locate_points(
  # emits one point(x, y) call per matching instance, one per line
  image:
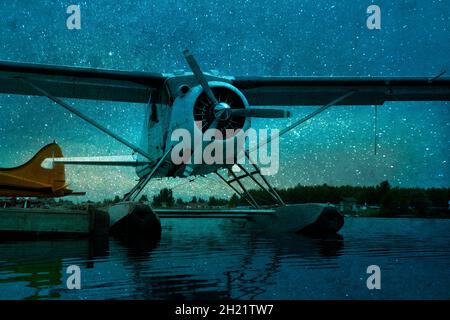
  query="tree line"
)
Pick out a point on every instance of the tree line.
point(390, 200)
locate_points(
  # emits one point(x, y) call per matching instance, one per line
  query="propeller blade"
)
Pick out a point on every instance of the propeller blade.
point(199, 76)
point(213, 124)
point(261, 113)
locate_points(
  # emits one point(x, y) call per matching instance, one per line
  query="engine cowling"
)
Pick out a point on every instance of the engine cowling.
point(195, 113)
point(228, 97)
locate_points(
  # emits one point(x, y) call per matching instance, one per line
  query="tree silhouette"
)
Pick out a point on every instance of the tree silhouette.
point(165, 197)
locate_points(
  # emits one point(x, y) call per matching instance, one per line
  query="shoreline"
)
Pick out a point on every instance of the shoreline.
point(405, 216)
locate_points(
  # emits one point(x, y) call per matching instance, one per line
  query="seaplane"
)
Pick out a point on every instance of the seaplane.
point(221, 103)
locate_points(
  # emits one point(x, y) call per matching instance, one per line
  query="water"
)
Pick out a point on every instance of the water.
point(201, 259)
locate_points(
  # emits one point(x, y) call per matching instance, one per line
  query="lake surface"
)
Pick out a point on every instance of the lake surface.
point(201, 259)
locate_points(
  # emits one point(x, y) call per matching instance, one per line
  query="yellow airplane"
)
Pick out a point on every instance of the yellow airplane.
point(32, 180)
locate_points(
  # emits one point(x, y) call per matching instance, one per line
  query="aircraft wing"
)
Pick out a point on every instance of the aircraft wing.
point(294, 91)
point(82, 83)
point(100, 84)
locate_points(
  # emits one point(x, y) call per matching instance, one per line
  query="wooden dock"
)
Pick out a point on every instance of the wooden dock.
point(33, 221)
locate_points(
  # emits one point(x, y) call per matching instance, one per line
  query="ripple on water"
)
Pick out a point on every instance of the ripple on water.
point(203, 259)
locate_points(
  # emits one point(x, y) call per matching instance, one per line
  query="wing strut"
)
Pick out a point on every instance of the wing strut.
point(86, 118)
point(134, 193)
point(244, 192)
point(303, 120)
point(271, 191)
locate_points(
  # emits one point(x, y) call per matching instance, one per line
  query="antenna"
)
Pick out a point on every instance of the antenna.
point(375, 130)
point(438, 76)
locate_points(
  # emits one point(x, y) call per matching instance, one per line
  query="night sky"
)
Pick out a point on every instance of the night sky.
point(255, 37)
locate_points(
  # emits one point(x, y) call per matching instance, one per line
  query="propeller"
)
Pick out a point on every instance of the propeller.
point(199, 76)
point(221, 110)
point(261, 113)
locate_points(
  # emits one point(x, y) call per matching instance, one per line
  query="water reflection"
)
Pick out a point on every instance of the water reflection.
point(210, 260)
point(231, 266)
point(249, 281)
point(136, 248)
point(39, 264)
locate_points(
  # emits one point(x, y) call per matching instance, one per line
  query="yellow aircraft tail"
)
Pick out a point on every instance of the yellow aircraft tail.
point(31, 179)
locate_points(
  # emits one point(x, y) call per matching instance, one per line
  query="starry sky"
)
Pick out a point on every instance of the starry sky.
point(242, 37)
